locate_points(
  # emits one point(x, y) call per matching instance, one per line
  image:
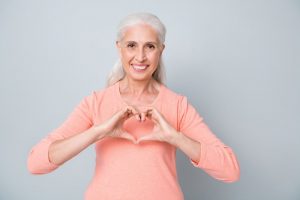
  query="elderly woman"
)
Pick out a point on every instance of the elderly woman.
point(136, 124)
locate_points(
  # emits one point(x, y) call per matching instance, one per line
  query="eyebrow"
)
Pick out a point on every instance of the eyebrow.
point(149, 42)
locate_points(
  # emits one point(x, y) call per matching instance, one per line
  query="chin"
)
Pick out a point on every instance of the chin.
point(139, 77)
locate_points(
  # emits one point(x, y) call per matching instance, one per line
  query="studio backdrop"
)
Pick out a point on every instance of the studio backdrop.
point(238, 62)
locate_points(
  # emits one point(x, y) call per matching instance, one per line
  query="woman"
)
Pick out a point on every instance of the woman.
point(136, 124)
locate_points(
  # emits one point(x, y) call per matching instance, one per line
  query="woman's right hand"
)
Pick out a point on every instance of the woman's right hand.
point(62, 150)
point(113, 126)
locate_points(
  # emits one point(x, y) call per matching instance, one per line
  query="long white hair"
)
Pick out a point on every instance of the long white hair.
point(117, 72)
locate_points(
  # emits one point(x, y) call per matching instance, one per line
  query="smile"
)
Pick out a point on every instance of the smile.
point(139, 68)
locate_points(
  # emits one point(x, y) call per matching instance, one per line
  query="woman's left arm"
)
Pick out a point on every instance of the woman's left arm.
point(200, 144)
point(187, 145)
point(223, 165)
point(196, 140)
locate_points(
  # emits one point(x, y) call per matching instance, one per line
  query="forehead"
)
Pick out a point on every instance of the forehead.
point(140, 33)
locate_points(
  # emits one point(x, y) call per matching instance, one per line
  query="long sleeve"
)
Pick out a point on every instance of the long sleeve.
point(79, 120)
point(216, 159)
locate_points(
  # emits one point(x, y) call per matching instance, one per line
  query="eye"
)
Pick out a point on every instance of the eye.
point(131, 45)
point(150, 46)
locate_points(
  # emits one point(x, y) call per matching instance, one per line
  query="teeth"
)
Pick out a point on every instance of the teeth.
point(139, 67)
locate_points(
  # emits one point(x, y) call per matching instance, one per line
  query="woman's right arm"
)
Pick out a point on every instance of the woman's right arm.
point(63, 150)
point(74, 135)
point(78, 126)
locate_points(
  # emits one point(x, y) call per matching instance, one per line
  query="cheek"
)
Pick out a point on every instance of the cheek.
point(126, 56)
point(154, 57)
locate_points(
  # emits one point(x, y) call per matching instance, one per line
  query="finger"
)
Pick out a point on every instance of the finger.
point(150, 137)
point(138, 116)
point(129, 111)
point(133, 112)
point(128, 136)
point(123, 112)
point(143, 116)
point(150, 114)
point(133, 109)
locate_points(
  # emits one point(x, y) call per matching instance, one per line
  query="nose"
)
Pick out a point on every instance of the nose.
point(140, 55)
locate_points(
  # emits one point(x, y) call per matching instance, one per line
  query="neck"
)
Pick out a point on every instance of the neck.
point(137, 87)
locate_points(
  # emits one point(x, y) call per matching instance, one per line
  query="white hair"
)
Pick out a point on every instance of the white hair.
point(117, 72)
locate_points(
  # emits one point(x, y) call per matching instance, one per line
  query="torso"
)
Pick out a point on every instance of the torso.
point(128, 171)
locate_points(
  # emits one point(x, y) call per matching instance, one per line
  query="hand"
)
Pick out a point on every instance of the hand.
point(162, 130)
point(113, 126)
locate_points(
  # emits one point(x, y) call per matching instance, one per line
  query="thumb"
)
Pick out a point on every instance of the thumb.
point(147, 138)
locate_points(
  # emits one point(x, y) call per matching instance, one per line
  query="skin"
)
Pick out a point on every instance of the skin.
point(139, 46)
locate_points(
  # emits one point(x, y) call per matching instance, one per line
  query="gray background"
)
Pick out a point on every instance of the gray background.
point(237, 61)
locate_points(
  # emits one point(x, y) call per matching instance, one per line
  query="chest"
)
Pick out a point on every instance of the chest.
point(139, 101)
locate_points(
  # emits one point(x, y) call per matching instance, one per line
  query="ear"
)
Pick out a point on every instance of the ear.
point(118, 46)
point(162, 49)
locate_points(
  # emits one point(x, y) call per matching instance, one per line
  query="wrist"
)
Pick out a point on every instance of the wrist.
point(99, 132)
point(175, 139)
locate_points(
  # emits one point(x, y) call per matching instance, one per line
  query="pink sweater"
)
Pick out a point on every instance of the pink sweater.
point(127, 171)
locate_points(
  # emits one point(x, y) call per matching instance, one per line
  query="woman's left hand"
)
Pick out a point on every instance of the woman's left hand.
point(162, 130)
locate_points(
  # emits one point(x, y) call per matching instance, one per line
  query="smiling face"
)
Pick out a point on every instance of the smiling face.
point(140, 52)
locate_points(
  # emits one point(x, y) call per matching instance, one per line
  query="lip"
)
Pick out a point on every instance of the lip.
point(139, 65)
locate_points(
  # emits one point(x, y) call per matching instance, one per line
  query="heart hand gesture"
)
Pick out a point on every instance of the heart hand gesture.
point(162, 130)
point(113, 126)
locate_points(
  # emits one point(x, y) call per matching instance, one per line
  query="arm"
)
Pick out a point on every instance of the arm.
point(76, 133)
point(187, 145)
point(202, 146)
point(63, 150)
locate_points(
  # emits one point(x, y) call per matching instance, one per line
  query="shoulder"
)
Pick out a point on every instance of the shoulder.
point(178, 101)
point(172, 95)
point(97, 95)
point(101, 92)
point(174, 106)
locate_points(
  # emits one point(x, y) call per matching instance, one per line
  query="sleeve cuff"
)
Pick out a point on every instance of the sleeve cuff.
point(38, 162)
point(47, 160)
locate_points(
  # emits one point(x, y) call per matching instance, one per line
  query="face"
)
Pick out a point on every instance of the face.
point(140, 51)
